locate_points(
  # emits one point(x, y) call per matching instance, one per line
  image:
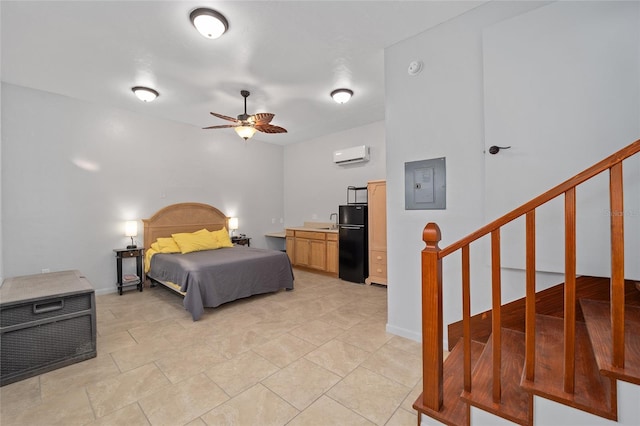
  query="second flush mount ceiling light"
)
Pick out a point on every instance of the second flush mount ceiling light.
point(210, 23)
point(342, 96)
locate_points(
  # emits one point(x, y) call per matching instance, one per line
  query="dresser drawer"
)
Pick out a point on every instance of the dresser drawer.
point(378, 270)
point(378, 257)
point(311, 235)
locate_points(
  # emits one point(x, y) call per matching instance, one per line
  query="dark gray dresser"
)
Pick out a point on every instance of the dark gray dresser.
point(47, 321)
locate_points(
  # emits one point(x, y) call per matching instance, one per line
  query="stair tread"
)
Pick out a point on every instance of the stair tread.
point(454, 410)
point(516, 404)
point(593, 393)
point(598, 319)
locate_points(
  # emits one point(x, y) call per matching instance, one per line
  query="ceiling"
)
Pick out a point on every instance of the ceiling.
point(289, 54)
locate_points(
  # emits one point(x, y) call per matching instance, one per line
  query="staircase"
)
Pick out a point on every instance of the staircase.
point(569, 344)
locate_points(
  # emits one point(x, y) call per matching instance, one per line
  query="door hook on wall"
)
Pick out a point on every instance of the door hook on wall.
point(495, 149)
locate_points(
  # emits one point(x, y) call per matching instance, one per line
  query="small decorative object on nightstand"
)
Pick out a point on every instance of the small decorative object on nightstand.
point(241, 240)
point(129, 279)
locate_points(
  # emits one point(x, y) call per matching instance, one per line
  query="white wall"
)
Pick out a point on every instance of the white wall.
point(74, 172)
point(314, 186)
point(438, 113)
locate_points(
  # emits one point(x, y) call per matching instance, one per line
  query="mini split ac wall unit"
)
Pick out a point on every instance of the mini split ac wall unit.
point(357, 154)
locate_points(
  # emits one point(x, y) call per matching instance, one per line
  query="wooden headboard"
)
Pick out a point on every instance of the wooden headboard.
point(182, 217)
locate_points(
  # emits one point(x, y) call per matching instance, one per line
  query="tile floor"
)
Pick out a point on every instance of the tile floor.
point(318, 355)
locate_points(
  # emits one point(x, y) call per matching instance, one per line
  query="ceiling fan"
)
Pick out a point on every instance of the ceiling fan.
point(246, 125)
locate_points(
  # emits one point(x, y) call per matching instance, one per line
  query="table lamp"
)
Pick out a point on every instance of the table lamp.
point(131, 230)
point(233, 224)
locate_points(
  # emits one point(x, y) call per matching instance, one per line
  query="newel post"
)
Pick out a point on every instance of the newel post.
point(432, 346)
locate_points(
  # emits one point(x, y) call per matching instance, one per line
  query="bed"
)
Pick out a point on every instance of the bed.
point(209, 278)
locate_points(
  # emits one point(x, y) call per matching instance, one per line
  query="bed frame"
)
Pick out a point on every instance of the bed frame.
point(181, 217)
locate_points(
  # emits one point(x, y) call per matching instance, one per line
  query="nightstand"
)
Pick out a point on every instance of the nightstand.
point(241, 241)
point(130, 280)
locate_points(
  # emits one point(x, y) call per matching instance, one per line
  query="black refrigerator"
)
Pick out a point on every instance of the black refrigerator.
point(353, 243)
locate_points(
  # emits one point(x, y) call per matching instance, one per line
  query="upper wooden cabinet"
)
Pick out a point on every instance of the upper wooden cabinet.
point(377, 195)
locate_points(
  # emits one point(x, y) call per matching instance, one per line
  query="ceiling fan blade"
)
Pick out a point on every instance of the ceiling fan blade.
point(222, 126)
point(270, 128)
point(224, 117)
point(263, 117)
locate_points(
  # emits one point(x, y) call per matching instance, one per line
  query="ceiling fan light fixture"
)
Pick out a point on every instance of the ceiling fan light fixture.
point(145, 94)
point(245, 132)
point(210, 23)
point(342, 96)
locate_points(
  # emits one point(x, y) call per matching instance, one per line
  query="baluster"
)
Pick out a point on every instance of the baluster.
point(530, 301)
point(466, 316)
point(432, 345)
point(617, 264)
point(569, 289)
point(496, 301)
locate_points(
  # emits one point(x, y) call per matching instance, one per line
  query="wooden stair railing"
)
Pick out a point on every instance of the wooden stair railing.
point(431, 398)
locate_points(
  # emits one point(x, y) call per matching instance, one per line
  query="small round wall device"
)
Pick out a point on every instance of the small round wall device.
point(415, 67)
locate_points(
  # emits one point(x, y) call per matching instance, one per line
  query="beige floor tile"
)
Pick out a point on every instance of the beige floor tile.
point(69, 408)
point(338, 357)
point(407, 345)
point(241, 372)
point(344, 317)
point(131, 415)
point(301, 383)
point(77, 375)
point(143, 353)
point(114, 341)
point(369, 394)
point(325, 411)
point(155, 330)
point(182, 402)
point(285, 349)
point(196, 422)
point(188, 361)
point(112, 394)
point(369, 336)
point(395, 364)
point(407, 404)
point(236, 344)
point(18, 396)
point(316, 332)
point(255, 406)
point(403, 418)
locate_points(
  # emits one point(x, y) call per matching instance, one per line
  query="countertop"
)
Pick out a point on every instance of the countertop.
point(327, 227)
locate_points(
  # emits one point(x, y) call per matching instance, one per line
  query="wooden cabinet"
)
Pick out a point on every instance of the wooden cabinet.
point(313, 249)
point(332, 253)
point(377, 198)
point(290, 245)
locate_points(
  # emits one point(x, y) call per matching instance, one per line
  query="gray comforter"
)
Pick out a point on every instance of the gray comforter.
point(213, 277)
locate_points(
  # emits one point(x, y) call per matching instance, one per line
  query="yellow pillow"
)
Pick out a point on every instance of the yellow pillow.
point(156, 247)
point(222, 237)
point(167, 245)
point(196, 241)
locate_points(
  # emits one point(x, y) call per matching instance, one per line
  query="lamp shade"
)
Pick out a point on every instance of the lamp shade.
point(131, 228)
point(233, 223)
point(245, 132)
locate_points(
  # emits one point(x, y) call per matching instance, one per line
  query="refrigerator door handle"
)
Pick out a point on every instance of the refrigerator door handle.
point(350, 227)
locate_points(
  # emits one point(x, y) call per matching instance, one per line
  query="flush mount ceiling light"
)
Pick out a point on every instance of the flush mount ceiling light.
point(341, 96)
point(209, 23)
point(145, 94)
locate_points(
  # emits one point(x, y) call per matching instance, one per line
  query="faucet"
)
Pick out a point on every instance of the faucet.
point(335, 226)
